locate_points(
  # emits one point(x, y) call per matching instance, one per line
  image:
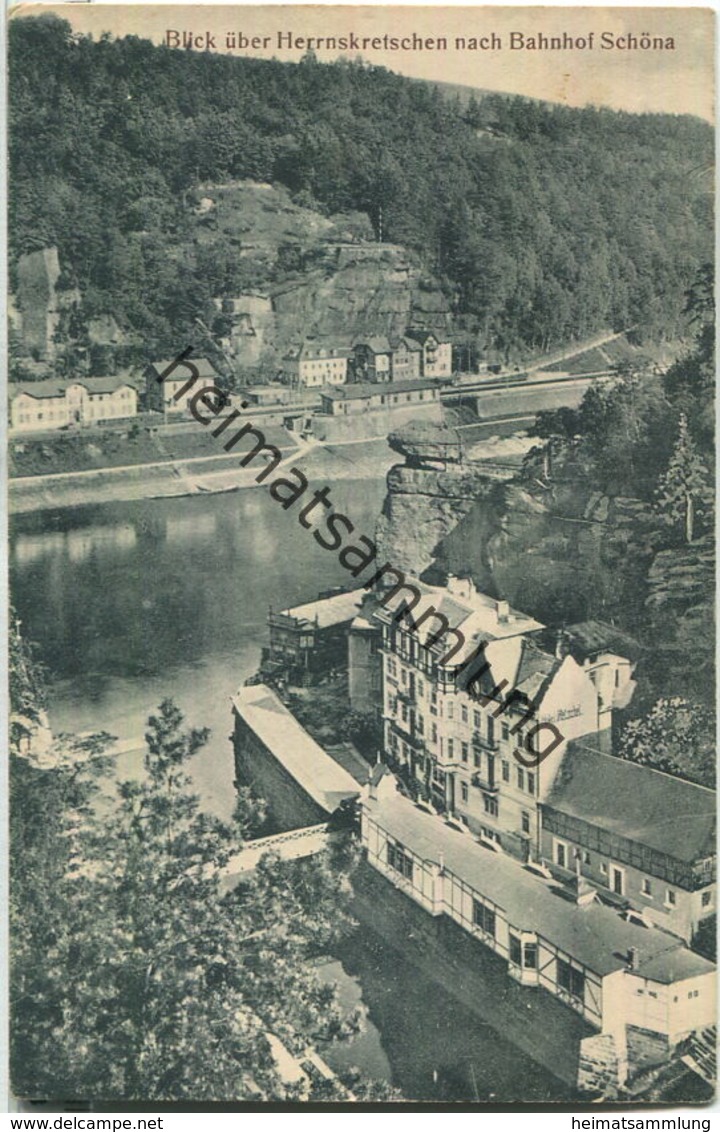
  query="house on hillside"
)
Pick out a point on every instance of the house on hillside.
point(406, 359)
point(372, 360)
point(170, 394)
point(436, 356)
point(316, 363)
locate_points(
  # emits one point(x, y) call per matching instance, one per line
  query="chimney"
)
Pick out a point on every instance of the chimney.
point(461, 587)
point(633, 958)
point(503, 612)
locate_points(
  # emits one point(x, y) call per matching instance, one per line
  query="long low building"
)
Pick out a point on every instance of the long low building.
point(283, 763)
point(368, 396)
point(614, 973)
point(35, 406)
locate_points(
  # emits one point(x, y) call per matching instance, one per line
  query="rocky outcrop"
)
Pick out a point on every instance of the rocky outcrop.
point(426, 445)
point(421, 508)
point(317, 276)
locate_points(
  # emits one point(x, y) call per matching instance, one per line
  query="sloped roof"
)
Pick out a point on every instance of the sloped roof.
point(375, 389)
point(322, 779)
point(588, 638)
point(204, 367)
point(636, 802)
point(52, 387)
point(328, 611)
point(594, 935)
point(475, 616)
point(378, 345)
point(422, 336)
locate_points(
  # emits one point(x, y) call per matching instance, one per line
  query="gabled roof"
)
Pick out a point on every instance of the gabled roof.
point(410, 344)
point(377, 345)
point(475, 616)
point(422, 336)
point(52, 387)
point(204, 367)
point(636, 802)
point(329, 611)
point(322, 779)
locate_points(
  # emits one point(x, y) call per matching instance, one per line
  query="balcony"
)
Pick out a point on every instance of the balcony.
point(483, 744)
point(488, 786)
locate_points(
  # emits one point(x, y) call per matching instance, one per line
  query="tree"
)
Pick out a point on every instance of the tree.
point(684, 484)
point(676, 736)
point(135, 976)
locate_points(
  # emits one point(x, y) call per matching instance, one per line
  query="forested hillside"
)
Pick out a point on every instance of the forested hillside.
point(542, 223)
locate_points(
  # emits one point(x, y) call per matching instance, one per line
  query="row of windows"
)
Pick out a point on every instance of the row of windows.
point(525, 779)
point(616, 876)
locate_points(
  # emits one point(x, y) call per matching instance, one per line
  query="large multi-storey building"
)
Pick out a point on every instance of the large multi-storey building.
point(483, 743)
point(315, 364)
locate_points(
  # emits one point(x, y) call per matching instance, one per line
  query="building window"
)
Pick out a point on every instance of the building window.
point(464, 792)
point(617, 880)
point(465, 752)
point(705, 899)
point(670, 898)
point(561, 854)
point(464, 714)
point(586, 858)
point(450, 748)
point(520, 777)
point(484, 917)
point(505, 729)
point(433, 732)
point(530, 956)
point(515, 951)
point(420, 689)
point(399, 860)
point(476, 720)
point(450, 710)
point(525, 818)
point(491, 805)
point(570, 979)
point(646, 887)
point(506, 772)
point(490, 729)
point(531, 783)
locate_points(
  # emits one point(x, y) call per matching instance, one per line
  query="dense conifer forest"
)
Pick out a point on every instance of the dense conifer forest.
point(543, 223)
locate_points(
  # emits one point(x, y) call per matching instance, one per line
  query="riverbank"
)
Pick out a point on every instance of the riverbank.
point(204, 475)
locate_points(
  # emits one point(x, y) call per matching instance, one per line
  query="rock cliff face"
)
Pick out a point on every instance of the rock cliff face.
point(421, 508)
point(316, 276)
point(566, 556)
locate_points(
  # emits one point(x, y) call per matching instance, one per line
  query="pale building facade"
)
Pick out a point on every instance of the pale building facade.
point(40, 405)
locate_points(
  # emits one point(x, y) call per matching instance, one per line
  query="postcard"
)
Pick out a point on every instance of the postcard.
point(360, 446)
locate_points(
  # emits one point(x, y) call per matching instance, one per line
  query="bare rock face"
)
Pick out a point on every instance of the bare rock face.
point(424, 444)
point(319, 277)
point(421, 508)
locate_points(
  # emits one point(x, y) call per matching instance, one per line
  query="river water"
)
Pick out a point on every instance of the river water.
point(132, 602)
